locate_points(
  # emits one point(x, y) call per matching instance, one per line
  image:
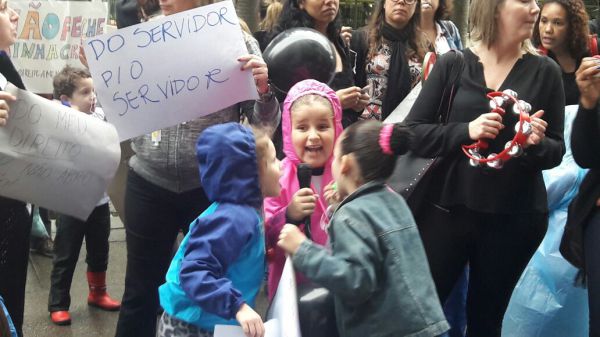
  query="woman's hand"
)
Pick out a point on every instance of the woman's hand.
point(5, 97)
point(588, 81)
point(260, 72)
point(290, 238)
point(303, 204)
point(346, 35)
point(331, 194)
point(487, 126)
point(250, 321)
point(538, 126)
point(352, 98)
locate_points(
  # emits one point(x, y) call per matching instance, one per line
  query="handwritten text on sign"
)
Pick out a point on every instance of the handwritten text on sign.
point(54, 156)
point(164, 72)
point(49, 34)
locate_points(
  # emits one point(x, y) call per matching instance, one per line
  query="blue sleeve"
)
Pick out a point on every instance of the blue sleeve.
point(214, 244)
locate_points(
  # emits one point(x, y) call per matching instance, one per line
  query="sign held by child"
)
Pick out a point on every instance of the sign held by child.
point(54, 156)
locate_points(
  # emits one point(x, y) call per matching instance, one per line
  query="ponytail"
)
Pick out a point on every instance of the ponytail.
point(376, 147)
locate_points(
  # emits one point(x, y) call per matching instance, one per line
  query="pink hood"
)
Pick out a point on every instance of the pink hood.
point(275, 208)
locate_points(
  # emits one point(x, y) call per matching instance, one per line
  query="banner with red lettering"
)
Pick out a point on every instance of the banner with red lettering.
point(49, 34)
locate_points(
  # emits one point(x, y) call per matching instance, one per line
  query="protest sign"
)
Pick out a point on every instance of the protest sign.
point(49, 34)
point(54, 156)
point(284, 307)
point(170, 70)
point(271, 330)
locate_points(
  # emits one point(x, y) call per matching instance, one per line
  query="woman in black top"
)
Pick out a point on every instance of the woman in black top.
point(15, 220)
point(584, 211)
point(562, 33)
point(493, 219)
point(390, 54)
point(323, 16)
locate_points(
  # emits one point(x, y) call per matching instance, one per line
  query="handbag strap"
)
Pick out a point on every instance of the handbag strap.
point(454, 75)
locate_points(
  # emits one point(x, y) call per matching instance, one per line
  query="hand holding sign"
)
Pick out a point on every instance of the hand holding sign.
point(5, 97)
point(260, 72)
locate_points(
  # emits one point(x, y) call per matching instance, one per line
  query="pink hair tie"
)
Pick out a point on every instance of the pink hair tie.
point(385, 135)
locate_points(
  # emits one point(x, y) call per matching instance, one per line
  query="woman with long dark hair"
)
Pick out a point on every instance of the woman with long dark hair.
point(440, 33)
point(390, 52)
point(562, 33)
point(323, 16)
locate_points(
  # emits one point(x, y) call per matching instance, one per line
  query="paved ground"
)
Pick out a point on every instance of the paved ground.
point(86, 321)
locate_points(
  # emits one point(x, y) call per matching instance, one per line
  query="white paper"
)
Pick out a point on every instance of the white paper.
point(49, 34)
point(271, 330)
point(399, 114)
point(54, 156)
point(284, 308)
point(170, 70)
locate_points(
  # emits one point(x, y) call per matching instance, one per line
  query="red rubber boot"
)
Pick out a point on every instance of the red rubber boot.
point(60, 317)
point(98, 296)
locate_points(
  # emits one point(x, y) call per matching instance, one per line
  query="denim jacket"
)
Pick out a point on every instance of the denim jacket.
point(377, 268)
point(451, 33)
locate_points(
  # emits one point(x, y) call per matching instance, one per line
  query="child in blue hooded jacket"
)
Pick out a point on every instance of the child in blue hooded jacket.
point(219, 267)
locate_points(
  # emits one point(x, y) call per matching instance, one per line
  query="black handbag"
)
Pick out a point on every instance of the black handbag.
point(410, 177)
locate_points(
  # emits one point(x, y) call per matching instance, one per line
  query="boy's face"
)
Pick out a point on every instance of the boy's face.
point(84, 97)
point(313, 133)
point(269, 170)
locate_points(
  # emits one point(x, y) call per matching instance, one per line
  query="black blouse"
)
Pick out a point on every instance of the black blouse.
point(517, 187)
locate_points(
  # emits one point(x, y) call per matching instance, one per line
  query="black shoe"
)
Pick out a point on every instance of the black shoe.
point(44, 247)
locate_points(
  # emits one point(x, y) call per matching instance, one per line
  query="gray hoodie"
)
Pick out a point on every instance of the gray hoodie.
point(171, 162)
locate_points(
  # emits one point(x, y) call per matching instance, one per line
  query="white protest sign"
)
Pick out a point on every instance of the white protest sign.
point(284, 307)
point(171, 70)
point(271, 330)
point(54, 156)
point(49, 34)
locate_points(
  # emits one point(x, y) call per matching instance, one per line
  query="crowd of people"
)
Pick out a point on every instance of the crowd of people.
point(445, 266)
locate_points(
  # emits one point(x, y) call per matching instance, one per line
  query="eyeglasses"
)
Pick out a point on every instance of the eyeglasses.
point(408, 2)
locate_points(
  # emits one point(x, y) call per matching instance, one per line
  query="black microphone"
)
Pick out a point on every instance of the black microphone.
point(304, 172)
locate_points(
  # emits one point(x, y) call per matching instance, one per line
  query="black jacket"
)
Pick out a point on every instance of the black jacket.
point(585, 145)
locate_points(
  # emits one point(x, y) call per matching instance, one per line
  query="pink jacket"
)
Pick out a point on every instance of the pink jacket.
point(275, 208)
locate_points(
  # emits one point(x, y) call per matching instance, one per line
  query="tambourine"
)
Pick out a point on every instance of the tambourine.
point(500, 102)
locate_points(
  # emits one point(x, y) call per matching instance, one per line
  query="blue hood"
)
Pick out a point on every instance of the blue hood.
point(228, 170)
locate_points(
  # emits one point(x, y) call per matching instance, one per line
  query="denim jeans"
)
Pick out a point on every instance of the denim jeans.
point(67, 244)
point(592, 266)
point(153, 218)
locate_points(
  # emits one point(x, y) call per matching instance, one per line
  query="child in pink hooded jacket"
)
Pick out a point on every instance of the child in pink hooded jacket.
point(311, 122)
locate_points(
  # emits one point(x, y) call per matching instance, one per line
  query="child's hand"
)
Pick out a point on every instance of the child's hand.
point(331, 194)
point(303, 204)
point(290, 238)
point(250, 321)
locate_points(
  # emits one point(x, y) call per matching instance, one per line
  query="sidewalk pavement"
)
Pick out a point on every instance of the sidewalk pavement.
point(86, 321)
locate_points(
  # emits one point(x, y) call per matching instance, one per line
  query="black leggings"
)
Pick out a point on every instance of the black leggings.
point(15, 227)
point(497, 248)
